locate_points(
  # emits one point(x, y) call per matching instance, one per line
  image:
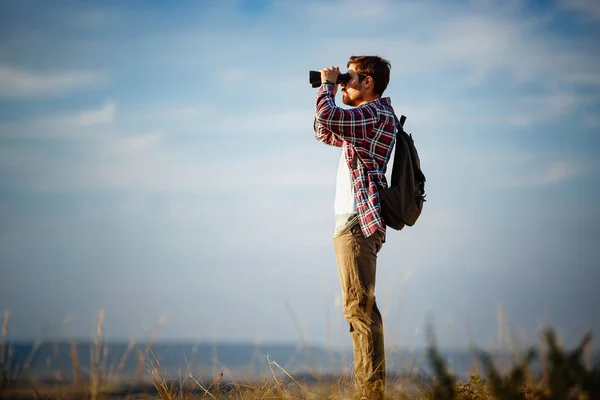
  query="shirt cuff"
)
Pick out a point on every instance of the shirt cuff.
point(326, 88)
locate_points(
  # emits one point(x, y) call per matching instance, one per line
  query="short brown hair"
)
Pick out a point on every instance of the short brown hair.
point(375, 67)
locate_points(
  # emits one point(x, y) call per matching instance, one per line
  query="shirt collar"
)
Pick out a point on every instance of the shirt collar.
point(385, 100)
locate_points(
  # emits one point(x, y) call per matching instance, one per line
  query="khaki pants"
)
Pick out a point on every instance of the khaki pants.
point(356, 259)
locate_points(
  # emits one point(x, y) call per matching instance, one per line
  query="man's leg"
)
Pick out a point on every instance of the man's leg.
point(357, 259)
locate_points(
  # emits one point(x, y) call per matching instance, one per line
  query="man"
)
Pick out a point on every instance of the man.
point(366, 134)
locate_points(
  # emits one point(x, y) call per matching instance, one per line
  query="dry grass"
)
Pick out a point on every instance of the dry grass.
point(566, 375)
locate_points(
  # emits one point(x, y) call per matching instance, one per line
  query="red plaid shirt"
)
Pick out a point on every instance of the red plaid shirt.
point(367, 135)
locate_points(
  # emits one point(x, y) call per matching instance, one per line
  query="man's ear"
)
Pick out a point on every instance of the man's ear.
point(369, 82)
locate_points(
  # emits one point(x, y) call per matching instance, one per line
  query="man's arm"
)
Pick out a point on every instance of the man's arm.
point(350, 125)
point(324, 135)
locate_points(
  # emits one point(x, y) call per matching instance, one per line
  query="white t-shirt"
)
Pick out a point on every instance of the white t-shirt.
point(345, 204)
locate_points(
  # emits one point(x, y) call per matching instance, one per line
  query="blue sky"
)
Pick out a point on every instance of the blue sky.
point(157, 160)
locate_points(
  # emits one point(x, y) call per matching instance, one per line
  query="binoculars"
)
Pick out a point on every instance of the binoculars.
point(314, 77)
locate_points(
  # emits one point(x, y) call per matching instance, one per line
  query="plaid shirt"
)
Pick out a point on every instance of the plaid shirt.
point(367, 135)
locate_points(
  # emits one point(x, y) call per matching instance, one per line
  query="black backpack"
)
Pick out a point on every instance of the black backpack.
point(402, 202)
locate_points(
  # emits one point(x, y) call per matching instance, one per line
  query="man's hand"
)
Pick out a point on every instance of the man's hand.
point(330, 74)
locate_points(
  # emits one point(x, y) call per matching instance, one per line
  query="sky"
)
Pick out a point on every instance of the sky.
point(158, 162)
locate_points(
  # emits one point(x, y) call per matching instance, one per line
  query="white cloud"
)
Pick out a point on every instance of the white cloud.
point(75, 125)
point(95, 18)
point(137, 143)
point(183, 112)
point(501, 169)
point(591, 120)
point(141, 165)
point(588, 9)
point(235, 75)
point(532, 110)
point(324, 10)
point(584, 78)
point(102, 116)
point(547, 172)
point(487, 44)
point(206, 119)
point(18, 83)
point(558, 172)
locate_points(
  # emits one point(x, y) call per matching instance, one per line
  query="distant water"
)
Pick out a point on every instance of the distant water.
point(207, 360)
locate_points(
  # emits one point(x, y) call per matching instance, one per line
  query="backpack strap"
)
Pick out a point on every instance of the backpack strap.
point(399, 122)
point(400, 130)
point(417, 169)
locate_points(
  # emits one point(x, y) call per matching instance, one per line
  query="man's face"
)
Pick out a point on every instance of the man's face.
point(351, 91)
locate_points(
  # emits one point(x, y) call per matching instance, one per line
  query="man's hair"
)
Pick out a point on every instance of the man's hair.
point(375, 67)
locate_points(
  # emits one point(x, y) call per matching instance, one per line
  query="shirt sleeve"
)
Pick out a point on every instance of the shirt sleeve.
point(349, 125)
point(324, 135)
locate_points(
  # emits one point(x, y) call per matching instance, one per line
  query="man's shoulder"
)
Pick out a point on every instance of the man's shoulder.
point(383, 104)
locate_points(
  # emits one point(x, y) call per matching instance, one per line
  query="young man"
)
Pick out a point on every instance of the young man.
point(366, 134)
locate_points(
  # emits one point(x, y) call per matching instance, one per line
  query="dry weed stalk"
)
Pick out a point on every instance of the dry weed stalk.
point(543, 359)
point(278, 385)
point(34, 388)
point(124, 358)
point(302, 388)
point(59, 363)
point(95, 361)
point(189, 369)
point(161, 321)
point(75, 364)
point(160, 381)
point(139, 372)
point(202, 387)
point(29, 360)
point(3, 344)
point(9, 367)
point(103, 377)
point(141, 357)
